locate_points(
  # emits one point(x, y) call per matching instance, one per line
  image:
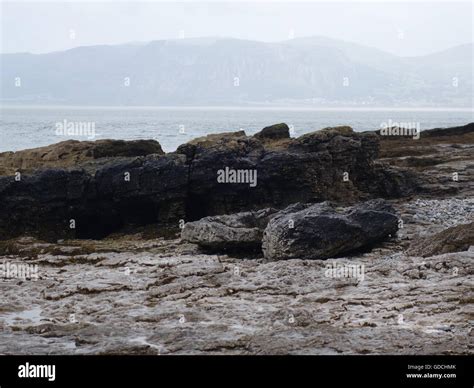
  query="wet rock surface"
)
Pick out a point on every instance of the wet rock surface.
point(137, 293)
point(136, 296)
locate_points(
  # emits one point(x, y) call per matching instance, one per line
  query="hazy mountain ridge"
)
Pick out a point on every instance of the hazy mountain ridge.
point(221, 71)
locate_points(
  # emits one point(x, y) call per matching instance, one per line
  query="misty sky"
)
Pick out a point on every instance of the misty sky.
point(403, 28)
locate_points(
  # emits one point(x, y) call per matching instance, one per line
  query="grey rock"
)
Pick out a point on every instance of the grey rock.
point(321, 231)
point(227, 232)
point(455, 239)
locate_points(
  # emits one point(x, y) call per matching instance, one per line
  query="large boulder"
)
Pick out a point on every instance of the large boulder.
point(274, 132)
point(241, 231)
point(322, 231)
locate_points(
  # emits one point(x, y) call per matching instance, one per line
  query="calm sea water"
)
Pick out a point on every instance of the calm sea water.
point(28, 127)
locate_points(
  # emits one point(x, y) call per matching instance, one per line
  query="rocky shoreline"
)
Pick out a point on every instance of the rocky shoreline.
point(101, 195)
point(349, 243)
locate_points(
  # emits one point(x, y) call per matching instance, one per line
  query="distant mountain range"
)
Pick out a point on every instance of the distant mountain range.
point(316, 71)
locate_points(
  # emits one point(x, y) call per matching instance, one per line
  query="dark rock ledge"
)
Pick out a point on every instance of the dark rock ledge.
point(118, 185)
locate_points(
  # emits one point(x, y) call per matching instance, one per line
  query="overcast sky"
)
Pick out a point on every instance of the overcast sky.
point(403, 28)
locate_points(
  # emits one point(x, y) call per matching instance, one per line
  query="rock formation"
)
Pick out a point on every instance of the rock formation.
point(455, 239)
point(71, 153)
point(301, 231)
point(321, 231)
point(133, 292)
point(240, 231)
point(331, 164)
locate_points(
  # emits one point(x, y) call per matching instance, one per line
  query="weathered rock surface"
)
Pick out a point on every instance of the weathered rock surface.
point(163, 189)
point(452, 132)
point(274, 132)
point(134, 192)
point(129, 295)
point(71, 153)
point(443, 158)
point(455, 239)
point(240, 231)
point(321, 231)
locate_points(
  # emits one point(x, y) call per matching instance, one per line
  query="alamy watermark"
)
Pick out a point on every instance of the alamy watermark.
point(76, 128)
point(393, 128)
point(342, 270)
point(230, 175)
point(37, 371)
point(21, 271)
